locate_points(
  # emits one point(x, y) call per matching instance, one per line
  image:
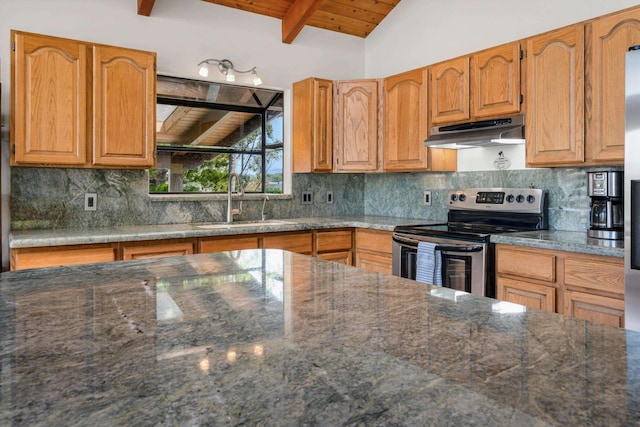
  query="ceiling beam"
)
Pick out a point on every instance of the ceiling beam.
point(296, 18)
point(145, 7)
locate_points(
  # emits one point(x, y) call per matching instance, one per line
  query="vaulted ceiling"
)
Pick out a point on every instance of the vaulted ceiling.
point(354, 17)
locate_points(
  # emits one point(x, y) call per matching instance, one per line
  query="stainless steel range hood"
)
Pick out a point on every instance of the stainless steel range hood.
point(485, 133)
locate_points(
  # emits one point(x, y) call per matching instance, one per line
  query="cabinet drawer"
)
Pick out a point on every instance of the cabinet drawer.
point(529, 264)
point(148, 250)
point(300, 242)
point(22, 259)
point(607, 276)
point(228, 244)
point(373, 240)
point(327, 241)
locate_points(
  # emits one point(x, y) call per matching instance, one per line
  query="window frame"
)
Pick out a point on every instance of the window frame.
point(262, 112)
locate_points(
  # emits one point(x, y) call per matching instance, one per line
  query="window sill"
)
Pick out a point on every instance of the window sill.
point(214, 197)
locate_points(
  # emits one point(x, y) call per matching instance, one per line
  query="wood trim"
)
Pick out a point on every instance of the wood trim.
point(145, 7)
point(297, 17)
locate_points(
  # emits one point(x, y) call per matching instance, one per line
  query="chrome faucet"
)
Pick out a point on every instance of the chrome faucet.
point(240, 192)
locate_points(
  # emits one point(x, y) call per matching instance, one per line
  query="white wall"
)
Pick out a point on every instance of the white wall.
point(418, 32)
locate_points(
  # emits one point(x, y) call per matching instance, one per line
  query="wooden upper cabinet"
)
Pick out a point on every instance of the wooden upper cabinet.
point(357, 126)
point(312, 126)
point(70, 111)
point(555, 97)
point(450, 91)
point(495, 81)
point(48, 101)
point(611, 37)
point(405, 121)
point(124, 105)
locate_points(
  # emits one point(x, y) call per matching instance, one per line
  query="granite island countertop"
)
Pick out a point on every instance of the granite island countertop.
point(267, 337)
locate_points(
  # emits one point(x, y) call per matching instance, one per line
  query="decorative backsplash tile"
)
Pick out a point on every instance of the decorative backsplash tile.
point(54, 198)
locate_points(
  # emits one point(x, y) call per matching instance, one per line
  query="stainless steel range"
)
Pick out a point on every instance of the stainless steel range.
point(462, 245)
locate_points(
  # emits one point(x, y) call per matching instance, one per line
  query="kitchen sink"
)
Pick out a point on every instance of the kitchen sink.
point(238, 224)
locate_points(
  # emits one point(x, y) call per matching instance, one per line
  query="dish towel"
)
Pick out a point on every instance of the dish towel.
point(429, 264)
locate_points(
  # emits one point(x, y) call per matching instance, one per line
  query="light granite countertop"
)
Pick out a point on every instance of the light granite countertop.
point(559, 240)
point(71, 236)
point(571, 241)
point(266, 337)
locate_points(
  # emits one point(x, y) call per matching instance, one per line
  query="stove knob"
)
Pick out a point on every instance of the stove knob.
point(510, 198)
point(462, 197)
point(531, 198)
point(520, 198)
point(454, 197)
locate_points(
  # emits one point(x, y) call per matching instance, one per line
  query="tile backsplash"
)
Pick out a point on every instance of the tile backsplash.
point(54, 198)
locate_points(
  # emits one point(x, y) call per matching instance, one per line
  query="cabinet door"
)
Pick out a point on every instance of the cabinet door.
point(532, 295)
point(405, 122)
point(312, 130)
point(357, 126)
point(344, 257)
point(48, 101)
point(450, 91)
point(495, 81)
point(595, 308)
point(611, 38)
point(555, 98)
point(124, 105)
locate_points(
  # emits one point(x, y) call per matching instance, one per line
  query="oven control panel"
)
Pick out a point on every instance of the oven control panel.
point(531, 200)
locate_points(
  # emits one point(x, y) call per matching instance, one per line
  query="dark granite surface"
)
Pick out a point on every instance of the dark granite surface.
point(274, 338)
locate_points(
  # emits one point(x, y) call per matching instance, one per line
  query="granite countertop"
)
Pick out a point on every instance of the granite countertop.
point(559, 240)
point(70, 236)
point(266, 337)
point(571, 241)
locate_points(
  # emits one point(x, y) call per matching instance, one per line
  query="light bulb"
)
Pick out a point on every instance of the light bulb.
point(231, 77)
point(257, 81)
point(204, 70)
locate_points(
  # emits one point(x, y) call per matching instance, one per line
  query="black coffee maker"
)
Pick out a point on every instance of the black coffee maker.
point(606, 190)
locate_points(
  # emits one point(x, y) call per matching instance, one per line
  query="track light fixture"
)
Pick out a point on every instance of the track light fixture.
point(227, 69)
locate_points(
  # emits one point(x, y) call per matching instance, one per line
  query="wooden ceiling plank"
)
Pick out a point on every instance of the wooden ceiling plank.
point(341, 24)
point(297, 17)
point(145, 7)
point(352, 12)
point(274, 8)
point(375, 6)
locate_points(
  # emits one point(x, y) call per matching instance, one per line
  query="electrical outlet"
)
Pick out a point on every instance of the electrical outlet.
point(329, 197)
point(307, 198)
point(426, 198)
point(90, 201)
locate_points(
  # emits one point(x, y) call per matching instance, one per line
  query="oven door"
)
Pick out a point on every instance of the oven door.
point(463, 262)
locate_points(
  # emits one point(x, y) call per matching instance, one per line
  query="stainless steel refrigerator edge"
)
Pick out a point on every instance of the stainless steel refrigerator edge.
point(632, 190)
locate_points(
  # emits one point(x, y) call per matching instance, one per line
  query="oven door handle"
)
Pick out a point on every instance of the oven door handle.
point(459, 248)
point(441, 248)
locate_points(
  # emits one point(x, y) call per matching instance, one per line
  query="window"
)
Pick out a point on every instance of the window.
point(207, 130)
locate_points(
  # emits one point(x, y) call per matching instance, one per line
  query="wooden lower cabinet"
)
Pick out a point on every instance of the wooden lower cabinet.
point(588, 287)
point(56, 256)
point(335, 245)
point(157, 248)
point(374, 250)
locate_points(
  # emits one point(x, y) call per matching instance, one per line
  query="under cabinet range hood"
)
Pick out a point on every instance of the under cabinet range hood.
point(485, 133)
